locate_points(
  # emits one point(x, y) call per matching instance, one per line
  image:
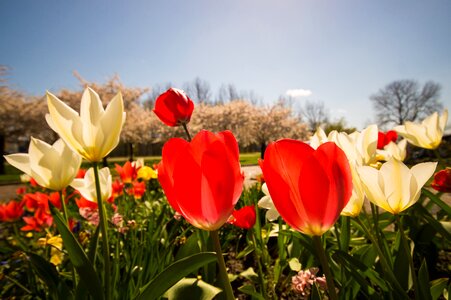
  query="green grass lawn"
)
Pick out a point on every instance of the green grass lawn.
point(13, 175)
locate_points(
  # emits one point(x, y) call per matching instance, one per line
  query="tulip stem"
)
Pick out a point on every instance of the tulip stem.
point(385, 266)
point(103, 227)
point(439, 157)
point(66, 217)
point(186, 131)
point(222, 267)
point(63, 205)
point(325, 264)
point(409, 257)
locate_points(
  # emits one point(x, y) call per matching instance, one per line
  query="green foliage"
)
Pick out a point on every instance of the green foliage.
point(151, 252)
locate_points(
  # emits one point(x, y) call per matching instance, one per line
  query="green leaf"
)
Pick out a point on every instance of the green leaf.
point(78, 257)
point(192, 288)
point(345, 233)
point(249, 274)
point(401, 265)
point(172, 274)
point(189, 248)
point(48, 273)
point(437, 201)
point(437, 287)
point(250, 290)
point(246, 251)
point(423, 281)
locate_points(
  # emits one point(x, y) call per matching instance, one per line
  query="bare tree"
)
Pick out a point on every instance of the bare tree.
point(228, 93)
point(405, 100)
point(198, 90)
point(315, 114)
point(155, 91)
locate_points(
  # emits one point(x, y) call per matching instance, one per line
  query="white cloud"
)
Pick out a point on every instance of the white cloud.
point(298, 93)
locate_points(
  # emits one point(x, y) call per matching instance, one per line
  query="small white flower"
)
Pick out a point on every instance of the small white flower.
point(266, 203)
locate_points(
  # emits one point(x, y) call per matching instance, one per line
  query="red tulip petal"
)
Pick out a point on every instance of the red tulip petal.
point(281, 168)
point(204, 189)
point(170, 155)
point(314, 187)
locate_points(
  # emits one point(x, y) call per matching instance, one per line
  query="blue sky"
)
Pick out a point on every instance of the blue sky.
point(342, 51)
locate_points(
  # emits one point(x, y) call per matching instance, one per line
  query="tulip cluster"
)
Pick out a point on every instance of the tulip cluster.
point(309, 185)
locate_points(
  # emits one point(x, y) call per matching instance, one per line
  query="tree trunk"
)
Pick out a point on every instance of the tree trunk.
point(2, 159)
point(262, 149)
point(104, 162)
point(130, 151)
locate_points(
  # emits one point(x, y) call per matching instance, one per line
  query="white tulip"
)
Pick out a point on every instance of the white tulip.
point(428, 134)
point(395, 187)
point(52, 166)
point(95, 132)
point(87, 185)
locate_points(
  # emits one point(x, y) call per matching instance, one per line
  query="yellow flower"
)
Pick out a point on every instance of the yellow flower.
point(95, 132)
point(395, 187)
point(52, 166)
point(426, 135)
point(56, 252)
point(147, 173)
point(87, 185)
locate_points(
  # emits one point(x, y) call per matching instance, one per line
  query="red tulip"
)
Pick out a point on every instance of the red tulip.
point(442, 181)
point(138, 190)
point(243, 217)
point(383, 139)
point(202, 179)
point(309, 187)
point(118, 188)
point(174, 107)
point(128, 172)
point(11, 211)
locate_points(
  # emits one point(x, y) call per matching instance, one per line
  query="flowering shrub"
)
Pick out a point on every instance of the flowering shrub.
point(340, 217)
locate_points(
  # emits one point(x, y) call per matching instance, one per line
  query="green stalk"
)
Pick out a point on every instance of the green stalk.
point(222, 267)
point(409, 257)
point(385, 266)
point(186, 131)
point(325, 264)
point(66, 218)
point(103, 227)
point(439, 157)
point(261, 275)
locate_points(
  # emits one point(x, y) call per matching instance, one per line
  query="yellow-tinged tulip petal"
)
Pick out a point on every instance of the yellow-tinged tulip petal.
point(360, 147)
point(395, 187)
point(95, 132)
point(318, 138)
point(52, 166)
point(20, 161)
point(355, 204)
point(87, 186)
point(428, 134)
point(394, 150)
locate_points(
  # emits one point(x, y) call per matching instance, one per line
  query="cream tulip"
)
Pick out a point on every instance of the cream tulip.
point(52, 166)
point(428, 134)
point(360, 147)
point(266, 203)
point(355, 204)
point(87, 185)
point(394, 150)
point(395, 187)
point(95, 132)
